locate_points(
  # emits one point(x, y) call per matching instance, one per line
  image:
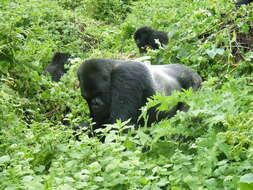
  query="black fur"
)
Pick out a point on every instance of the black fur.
point(145, 38)
point(243, 2)
point(117, 89)
point(56, 67)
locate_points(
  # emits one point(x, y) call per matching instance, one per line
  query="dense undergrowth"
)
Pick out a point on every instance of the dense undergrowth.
point(208, 147)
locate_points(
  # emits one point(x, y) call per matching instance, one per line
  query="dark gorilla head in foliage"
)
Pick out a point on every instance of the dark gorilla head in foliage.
point(243, 2)
point(117, 89)
point(145, 37)
point(95, 82)
point(56, 67)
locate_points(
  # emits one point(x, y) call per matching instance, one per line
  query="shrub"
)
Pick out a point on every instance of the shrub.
point(109, 10)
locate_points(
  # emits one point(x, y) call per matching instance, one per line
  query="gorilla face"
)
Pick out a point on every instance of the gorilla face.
point(96, 90)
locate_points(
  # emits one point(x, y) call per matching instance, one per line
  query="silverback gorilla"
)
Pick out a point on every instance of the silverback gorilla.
point(145, 38)
point(56, 67)
point(243, 2)
point(116, 89)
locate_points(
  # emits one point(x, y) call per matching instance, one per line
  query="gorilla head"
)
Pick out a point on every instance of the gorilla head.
point(95, 82)
point(117, 89)
point(56, 67)
point(243, 2)
point(145, 37)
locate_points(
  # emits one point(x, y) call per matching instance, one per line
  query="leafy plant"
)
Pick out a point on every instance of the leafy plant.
point(209, 147)
point(109, 10)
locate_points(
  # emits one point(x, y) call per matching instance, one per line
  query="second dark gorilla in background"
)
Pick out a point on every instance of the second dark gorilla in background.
point(116, 89)
point(145, 38)
point(243, 2)
point(56, 68)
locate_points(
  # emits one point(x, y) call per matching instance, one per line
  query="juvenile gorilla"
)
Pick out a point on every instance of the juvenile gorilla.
point(145, 38)
point(243, 2)
point(56, 67)
point(117, 89)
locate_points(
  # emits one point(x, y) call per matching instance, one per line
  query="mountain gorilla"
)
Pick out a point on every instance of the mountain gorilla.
point(56, 67)
point(116, 89)
point(243, 2)
point(145, 37)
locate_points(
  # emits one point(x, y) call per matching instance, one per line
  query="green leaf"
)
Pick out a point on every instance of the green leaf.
point(95, 167)
point(246, 182)
point(215, 51)
point(247, 178)
point(4, 159)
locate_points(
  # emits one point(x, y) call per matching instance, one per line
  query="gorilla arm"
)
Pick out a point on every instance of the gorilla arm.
point(131, 85)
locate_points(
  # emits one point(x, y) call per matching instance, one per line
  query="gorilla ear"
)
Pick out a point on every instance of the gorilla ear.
point(77, 73)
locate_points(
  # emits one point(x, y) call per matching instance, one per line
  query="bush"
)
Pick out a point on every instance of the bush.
point(109, 10)
point(209, 147)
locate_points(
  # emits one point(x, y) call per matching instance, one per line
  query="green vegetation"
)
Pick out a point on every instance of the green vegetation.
point(210, 147)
